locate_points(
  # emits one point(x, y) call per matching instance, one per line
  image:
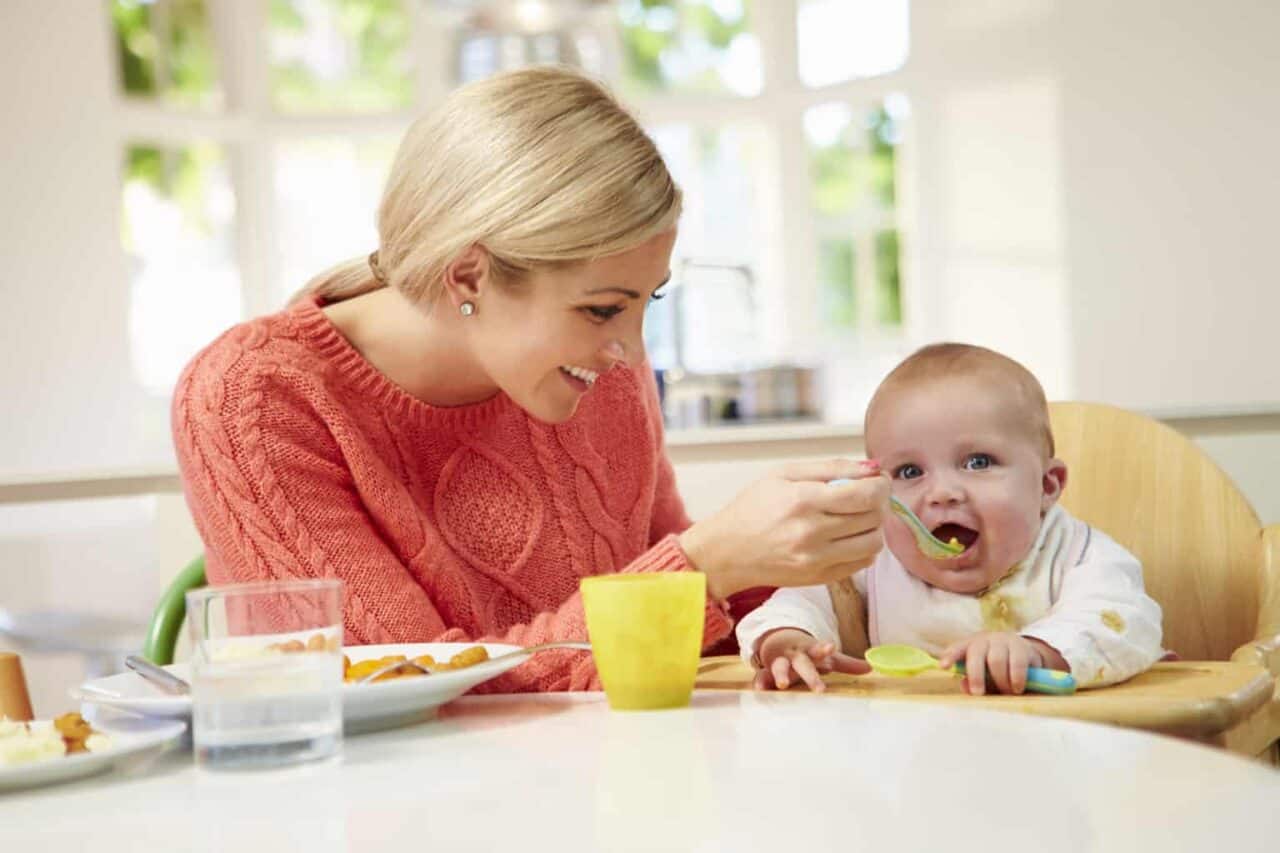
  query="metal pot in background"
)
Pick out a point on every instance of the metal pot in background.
point(784, 392)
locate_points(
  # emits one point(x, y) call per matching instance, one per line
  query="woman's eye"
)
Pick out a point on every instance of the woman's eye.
point(907, 472)
point(978, 462)
point(658, 295)
point(606, 312)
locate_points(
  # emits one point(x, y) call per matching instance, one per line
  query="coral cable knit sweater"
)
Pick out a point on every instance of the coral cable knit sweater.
point(300, 459)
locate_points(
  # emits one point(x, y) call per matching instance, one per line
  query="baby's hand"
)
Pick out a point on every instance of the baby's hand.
point(789, 652)
point(1003, 655)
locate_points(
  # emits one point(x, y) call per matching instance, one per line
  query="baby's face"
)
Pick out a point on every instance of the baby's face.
point(965, 457)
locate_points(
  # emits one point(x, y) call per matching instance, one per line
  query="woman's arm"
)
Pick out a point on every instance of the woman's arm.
point(273, 498)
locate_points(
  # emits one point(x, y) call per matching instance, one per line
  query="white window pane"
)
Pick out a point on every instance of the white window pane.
point(720, 249)
point(503, 37)
point(326, 202)
point(689, 46)
point(165, 50)
point(853, 162)
point(842, 40)
point(853, 156)
point(340, 55)
point(179, 235)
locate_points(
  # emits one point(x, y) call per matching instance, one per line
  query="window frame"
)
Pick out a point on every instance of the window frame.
point(249, 129)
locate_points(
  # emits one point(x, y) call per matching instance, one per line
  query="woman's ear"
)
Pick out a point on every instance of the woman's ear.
point(468, 275)
point(1052, 484)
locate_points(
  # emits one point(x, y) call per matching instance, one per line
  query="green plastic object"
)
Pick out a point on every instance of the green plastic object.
point(162, 636)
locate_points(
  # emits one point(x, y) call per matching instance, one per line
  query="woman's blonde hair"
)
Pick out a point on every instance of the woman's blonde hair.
point(541, 167)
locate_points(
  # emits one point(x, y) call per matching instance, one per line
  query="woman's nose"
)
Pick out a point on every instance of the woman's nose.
point(624, 352)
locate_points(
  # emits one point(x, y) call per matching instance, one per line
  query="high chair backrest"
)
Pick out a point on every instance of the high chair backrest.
point(1205, 557)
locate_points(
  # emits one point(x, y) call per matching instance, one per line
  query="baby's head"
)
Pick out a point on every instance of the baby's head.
point(964, 434)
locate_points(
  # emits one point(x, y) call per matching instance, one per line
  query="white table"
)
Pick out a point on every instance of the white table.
point(735, 772)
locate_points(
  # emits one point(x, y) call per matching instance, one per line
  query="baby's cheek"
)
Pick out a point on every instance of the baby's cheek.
point(900, 543)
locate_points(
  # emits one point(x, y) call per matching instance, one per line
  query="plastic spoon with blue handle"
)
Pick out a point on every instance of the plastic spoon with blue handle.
point(929, 545)
point(908, 660)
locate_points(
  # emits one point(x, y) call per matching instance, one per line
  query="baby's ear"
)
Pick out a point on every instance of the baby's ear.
point(1052, 484)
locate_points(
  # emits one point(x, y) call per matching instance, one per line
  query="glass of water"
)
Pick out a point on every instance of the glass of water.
point(266, 672)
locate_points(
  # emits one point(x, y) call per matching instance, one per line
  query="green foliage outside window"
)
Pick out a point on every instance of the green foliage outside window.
point(180, 174)
point(652, 29)
point(166, 51)
point(888, 285)
point(377, 73)
point(836, 273)
point(856, 170)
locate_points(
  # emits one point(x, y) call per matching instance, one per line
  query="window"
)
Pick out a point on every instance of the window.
point(179, 213)
point(256, 137)
point(840, 40)
point(853, 184)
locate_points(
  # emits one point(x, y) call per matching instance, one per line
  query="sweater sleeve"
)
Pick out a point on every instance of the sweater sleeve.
point(807, 608)
point(249, 468)
point(1102, 622)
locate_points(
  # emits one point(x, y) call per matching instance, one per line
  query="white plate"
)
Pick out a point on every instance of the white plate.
point(365, 707)
point(129, 737)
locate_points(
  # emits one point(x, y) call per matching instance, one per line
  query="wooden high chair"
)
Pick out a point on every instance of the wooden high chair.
point(1205, 556)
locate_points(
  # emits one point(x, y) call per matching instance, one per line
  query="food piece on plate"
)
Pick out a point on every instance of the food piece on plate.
point(74, 730)
point(24, 743)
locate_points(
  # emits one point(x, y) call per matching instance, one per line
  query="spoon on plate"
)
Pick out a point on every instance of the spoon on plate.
point(157, 675)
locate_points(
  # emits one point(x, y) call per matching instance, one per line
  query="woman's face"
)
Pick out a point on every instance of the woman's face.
point(546, 340)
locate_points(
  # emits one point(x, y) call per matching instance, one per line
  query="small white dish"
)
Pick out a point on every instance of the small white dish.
point(130, 736)
point(365, 707)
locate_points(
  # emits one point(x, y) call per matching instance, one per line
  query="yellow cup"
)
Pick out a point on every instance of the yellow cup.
point(646, 636)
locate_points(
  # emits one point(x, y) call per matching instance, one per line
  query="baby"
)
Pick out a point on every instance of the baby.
point(963, 432)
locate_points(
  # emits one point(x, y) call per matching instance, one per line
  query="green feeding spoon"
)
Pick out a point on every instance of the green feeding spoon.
point(899, 660)
point(929, 545)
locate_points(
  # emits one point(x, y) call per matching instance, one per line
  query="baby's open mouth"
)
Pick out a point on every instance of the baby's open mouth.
point(964, 535)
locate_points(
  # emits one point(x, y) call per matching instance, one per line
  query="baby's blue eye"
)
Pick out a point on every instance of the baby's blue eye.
point(907, 472)
point(978, 462)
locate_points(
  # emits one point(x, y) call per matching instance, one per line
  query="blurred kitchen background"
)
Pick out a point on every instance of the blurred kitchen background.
point(1089, 186)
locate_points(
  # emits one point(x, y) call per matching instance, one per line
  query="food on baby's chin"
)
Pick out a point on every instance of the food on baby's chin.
point(24, 743)
point(467, 657)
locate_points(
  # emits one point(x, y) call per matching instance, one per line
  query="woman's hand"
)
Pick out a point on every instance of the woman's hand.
point(789, 654)
point(793, 528)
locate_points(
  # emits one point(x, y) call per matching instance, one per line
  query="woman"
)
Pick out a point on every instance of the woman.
point(463, 425)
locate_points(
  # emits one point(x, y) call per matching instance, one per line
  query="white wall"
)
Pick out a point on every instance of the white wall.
point(70, 402)
point(1097, 192)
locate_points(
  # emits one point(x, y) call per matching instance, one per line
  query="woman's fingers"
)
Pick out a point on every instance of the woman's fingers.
point(825, 470)
point(868, 494)
point(843, 557)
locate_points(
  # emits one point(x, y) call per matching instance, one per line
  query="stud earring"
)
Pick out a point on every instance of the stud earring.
point(467, 308)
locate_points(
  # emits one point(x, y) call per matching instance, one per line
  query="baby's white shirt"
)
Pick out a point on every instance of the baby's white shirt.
point(1077, 590)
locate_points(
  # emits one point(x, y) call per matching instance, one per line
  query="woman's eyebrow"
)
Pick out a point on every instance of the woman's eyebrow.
point(625, 291)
